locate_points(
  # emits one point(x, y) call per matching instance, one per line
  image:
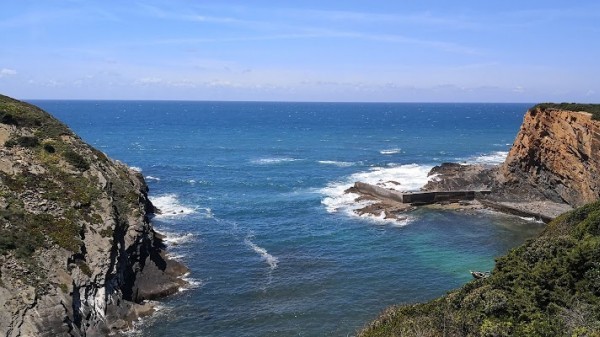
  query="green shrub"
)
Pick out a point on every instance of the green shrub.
point(76, 160)
point(49, 148)
point(594, 109)
point(550, 286)
point(23, 141)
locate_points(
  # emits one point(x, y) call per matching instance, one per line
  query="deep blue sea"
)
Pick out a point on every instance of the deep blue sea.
point(253, 202)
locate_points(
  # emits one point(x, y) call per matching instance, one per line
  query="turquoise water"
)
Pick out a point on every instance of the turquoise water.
point(252, 199)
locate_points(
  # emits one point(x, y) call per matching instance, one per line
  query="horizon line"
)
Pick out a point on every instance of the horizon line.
point(277, 101)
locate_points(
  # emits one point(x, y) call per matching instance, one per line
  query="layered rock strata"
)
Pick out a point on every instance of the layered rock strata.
point(557, 152)
point(78, 254)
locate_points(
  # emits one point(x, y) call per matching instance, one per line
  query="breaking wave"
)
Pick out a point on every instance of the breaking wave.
point(170, 206)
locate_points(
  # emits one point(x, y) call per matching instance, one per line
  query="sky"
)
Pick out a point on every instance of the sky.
point(368, 51)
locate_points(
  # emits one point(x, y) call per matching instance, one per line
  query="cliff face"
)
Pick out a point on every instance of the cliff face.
point(556, 152)
point(78, 255)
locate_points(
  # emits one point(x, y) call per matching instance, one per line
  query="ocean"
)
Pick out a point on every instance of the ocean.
point(252, 199)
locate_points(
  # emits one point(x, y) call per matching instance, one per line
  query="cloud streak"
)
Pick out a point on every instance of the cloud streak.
point(5, 72)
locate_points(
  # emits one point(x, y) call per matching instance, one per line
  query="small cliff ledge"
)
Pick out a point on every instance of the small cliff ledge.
point(78, 255)
point(557, 153)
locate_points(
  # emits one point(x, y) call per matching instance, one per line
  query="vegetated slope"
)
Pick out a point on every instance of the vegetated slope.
point(550, 286)
point(77, 251)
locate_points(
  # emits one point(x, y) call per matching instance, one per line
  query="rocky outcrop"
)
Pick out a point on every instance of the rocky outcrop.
point(552, 167)
point(78, 255)
point(558, 153)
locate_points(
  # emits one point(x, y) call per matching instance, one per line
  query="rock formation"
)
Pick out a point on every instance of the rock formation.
point(552, 167)
point(558, 153)
point(78, 255)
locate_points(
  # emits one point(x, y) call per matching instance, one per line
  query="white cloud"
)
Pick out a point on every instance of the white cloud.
point(4, 72)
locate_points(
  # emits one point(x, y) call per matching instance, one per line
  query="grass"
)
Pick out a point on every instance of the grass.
point(20, 114)
point(550, 286)
point(594, 109)
point(23, 232)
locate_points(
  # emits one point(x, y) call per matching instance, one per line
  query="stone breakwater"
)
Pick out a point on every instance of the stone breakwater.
point(552, 167)
point(78, 254)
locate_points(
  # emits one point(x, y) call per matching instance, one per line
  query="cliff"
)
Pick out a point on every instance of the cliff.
point(78, 255)
point(556, 153)
point(549, 286)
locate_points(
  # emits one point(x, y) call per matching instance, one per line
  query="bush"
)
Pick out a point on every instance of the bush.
point(23, 141)
point(76, 160)
point(594, 109)
point(550, 286)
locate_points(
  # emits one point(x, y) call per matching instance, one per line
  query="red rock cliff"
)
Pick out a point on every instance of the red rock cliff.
point(558, 152)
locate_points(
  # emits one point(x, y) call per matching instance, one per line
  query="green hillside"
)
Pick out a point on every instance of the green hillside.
point(550, 286)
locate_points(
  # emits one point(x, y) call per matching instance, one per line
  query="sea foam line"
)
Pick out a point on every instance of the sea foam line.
point(390, 151)
point(273, 160)
point(271, 260)
point(336, 163)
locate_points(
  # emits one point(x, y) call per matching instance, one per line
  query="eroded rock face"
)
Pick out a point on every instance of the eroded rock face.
point(78, 254)
point(557, 152)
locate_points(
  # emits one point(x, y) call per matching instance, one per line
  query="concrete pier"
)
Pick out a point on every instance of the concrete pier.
point(419, 198)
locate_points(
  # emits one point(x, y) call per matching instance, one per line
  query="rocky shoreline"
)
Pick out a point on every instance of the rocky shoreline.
point(78, 253)
point(551, 168)
point(488, 194)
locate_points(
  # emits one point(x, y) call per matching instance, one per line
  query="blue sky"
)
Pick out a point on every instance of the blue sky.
point(404, 51)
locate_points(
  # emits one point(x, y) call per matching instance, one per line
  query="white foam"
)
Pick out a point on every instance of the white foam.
point(531, 219)
point(390, 151)
point(493, 158)
point(174, 256)
point(336, 163)
point(152, 178)
point(170, 206)
point(271, 260)
point(273, 160)
point(175, 239)
point(381, 219)
point(192, 283)
point(402, 178)
point(136, 169)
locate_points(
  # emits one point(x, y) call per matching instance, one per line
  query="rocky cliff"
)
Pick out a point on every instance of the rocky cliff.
point(550, 286)
point(78, 255)
point(557, 152)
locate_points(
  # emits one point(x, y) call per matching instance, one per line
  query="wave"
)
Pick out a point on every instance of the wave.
point(192, 283)
point(336, 163)
point(273, 160)
point(152, 178)
point(174, 239)
point(271, 260)
point(492, 158)
point(390, 151)
point(136, 169)
point(400, 178)
point(170, 206)
point(531, 219)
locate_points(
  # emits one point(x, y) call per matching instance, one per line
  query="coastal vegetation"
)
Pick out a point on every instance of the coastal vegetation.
point(594, 109)
point(52, 172)
point(550, 286)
